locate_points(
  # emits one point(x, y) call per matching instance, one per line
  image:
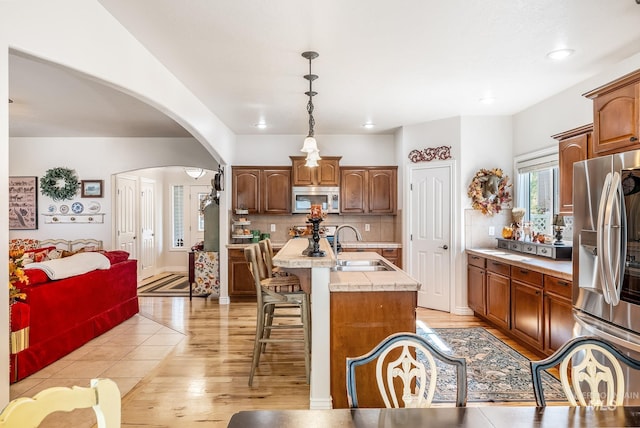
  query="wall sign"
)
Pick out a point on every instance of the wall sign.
point(23, 203)
point(431, 153)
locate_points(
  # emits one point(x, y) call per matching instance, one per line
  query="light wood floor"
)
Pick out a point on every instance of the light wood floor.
point(203, 382)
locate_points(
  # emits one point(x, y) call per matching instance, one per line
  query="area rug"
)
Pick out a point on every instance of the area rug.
point(495, 371)
point(165, 285)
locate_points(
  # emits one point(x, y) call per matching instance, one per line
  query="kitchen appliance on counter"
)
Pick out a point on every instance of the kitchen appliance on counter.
point(606, 261)
point(305, 196)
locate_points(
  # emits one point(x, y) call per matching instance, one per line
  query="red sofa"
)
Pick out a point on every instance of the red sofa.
point(67, 313)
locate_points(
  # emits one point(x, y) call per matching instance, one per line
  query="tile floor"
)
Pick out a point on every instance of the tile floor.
point(126, 354)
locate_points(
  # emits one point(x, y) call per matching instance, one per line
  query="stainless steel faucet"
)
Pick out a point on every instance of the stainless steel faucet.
point(335, 235)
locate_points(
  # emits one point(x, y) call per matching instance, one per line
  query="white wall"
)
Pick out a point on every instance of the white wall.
point(96, 158)
point(534, 126)
point(356, 150)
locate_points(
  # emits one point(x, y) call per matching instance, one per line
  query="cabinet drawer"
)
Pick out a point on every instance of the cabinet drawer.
point(558, 286)
point(497, 267)
point(476, 261)
point(526, 275)
point(503, 244)
point(529, 248)
point(515, 245)
point(389, 252)
point(545, 251)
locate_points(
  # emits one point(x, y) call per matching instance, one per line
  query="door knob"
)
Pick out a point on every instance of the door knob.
point(444, 247)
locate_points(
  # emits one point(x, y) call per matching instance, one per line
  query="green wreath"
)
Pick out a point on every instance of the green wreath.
point(59, 184)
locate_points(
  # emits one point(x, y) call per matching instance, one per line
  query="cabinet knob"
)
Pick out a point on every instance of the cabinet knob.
point(633, 139)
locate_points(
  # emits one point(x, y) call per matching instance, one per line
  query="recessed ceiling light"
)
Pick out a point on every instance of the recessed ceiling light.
point(487, 100)
point(559, 54)
point(368, 125)
point(261, 125)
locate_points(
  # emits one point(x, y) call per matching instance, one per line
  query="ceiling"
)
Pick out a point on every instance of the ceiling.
point(392, 63)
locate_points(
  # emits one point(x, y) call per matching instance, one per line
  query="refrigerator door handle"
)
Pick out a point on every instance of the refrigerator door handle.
point(619, 246)
point(603, 240)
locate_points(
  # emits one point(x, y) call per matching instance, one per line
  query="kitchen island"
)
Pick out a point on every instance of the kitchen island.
point(351, 312)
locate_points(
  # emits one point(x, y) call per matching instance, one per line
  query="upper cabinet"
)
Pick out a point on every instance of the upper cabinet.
point(573, 146)
point(261, 190)
point(616, 115)
point(368, 190)
point(327, 173)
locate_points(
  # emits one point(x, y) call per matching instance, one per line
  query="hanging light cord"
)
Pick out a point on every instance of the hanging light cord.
point(310, 77)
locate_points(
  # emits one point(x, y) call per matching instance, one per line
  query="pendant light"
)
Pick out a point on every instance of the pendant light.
point(310, 145)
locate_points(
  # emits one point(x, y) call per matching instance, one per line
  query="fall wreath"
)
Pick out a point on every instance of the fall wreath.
point(59, 184)
point(489, 190)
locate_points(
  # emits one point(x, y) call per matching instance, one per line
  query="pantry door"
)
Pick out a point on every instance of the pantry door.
point(430, 233)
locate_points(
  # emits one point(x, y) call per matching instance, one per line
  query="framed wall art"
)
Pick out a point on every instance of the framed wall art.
point(23, 203)
point(91, 189)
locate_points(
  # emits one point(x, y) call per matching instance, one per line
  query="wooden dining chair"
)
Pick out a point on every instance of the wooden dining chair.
point(103, 396)
point(277, 298)
point(590, 372)
point(410, 371)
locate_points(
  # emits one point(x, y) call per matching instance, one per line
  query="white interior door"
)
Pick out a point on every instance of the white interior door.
point(196, 219)
point(430, 234)
point(126, 214)
point(147, 228)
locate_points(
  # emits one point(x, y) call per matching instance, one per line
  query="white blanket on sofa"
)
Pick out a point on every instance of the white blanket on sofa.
point(73, 265)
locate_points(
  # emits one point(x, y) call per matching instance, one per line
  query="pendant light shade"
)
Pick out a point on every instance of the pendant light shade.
point(314, 155)
point(195, 172)
point(311, 163)
point(310, 145)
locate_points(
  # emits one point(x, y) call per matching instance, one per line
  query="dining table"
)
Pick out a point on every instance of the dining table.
point(462, 417)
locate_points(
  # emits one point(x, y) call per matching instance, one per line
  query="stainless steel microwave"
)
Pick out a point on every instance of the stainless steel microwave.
point(303, 197)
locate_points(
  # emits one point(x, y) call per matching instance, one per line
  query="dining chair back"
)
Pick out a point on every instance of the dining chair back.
point(398, 370)
point(103, 396)
point(590, 372)
point(279, 297)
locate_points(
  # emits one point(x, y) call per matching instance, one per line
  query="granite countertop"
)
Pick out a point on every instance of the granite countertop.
point(344, 244)
point(396, 280)
point(558, 268)
point(290, 256)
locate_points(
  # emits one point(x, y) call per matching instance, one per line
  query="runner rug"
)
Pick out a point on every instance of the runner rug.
point(165, 285)
point(495, 371)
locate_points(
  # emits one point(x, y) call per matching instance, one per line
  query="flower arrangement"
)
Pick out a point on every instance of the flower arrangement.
point(16, 275)
point(489, 190)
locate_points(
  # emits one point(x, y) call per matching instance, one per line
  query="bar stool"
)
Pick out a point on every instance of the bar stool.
point(273, 295)
point(267, 253)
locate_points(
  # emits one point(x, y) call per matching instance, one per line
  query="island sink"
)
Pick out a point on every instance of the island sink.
point(373, 265)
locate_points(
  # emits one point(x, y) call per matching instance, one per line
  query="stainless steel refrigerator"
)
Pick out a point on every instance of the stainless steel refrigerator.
point(606, 259)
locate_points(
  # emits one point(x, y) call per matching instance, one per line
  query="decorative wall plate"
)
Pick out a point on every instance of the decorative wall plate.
point(51, 209)
point(64, 209)
point(77, 207)
point(93, 207)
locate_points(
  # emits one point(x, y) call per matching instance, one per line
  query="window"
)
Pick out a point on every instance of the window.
point(537, 189)
point(177, 205)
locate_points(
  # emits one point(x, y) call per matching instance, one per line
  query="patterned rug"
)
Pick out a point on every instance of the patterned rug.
point(165, 285)
point(495, 371)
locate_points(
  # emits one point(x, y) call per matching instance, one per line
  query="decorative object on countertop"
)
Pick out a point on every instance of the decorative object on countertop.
point(315, 217)
point(560, 252)
point(310, 146)
point(59, 184)
point(431, 153)
point(558, 226)
point(489, 191)
point(517, 214)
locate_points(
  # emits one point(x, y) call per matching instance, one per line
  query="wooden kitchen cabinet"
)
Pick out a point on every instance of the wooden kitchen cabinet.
point(240, 279)
point(261, 190)
point(527, 306)
point(476, 284)
point(558, 315)
point(616, 115)
point(573, 147)
point(368, 190)
point(327, 173)
point(531, 307)
point(498, 293)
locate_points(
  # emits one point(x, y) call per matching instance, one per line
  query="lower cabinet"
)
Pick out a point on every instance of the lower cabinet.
point(533, 308)
point(240, 279)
